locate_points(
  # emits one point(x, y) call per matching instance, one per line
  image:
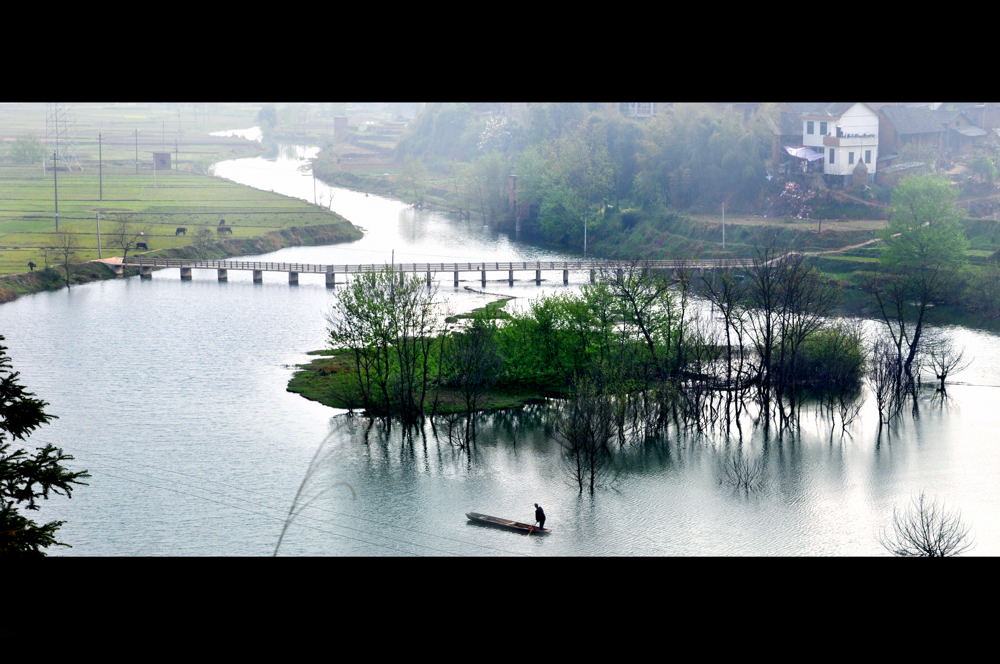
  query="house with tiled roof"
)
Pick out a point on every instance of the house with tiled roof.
point(945, 132)
point(838, 139)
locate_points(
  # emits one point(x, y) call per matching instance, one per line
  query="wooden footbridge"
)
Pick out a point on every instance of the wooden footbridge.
point(146, 266)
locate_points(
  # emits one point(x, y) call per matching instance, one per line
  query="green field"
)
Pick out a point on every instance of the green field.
point(113, 181)
point(156, 206)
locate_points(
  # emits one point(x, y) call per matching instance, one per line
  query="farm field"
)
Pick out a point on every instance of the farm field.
point(110, 188)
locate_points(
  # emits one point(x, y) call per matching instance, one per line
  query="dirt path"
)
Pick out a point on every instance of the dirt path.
point(827, 224)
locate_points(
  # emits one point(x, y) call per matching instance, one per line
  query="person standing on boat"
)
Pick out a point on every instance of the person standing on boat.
point(540, 517)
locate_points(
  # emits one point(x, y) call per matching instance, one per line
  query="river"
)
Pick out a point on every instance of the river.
point(172, 394)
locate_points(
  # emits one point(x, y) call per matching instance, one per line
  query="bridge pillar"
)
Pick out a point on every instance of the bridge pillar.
point(510, 277)
point(619, 273)
point(592, 275)
point(429, 282)
point(185, 274)
point(223, 274)
point(484, 278)
point(145, 272)
point(456, 278)
point(565, 277)
point(538, 277)
point(293, 278)
point(331, 279)
point(258, 276)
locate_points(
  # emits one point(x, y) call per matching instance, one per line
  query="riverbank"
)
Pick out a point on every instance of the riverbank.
point(16, 285)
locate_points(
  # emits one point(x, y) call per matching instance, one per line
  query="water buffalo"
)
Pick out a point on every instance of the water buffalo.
point(224, 229)
point(181, 230)
point(141, 245)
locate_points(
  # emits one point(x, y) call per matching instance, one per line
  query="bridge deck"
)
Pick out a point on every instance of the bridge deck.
point(307, 268)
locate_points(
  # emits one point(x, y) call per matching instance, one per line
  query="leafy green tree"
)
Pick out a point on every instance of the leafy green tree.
point(413, 176)
point(567, 180)
point(27, 150)
point(983, 168)
point(387, 320)
point(697, 156)
point(923, 257)
point(443, 131)
point(475, 363)
point(267, 116)
point(26, 478)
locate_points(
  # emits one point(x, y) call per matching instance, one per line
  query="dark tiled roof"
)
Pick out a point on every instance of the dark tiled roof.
point(915, 120)
point(826, 109)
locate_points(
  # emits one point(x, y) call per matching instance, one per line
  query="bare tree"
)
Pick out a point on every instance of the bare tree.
point(648, 306)
point(945, 359)
point(585, 431)
point(66, 246)
point(926, 530)
point(885, 373)
point(742, 473)
point(125, 234)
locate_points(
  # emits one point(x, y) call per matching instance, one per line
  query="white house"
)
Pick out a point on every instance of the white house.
point(846, 134)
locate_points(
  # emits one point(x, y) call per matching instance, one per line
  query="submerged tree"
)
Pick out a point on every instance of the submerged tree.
point(475, 363)
point(742, 473)
point(927, 530)
point(585, 431)
point(924, 252)
point(26, 478)
point(885, 373)
point(945, 359)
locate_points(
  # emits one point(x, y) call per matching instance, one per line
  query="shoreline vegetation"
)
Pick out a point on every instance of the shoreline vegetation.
point(630, 334)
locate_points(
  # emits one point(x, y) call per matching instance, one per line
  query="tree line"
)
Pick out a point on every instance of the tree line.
point(582, 164)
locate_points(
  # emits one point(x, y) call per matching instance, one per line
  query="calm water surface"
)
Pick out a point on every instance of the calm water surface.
point(173, 395)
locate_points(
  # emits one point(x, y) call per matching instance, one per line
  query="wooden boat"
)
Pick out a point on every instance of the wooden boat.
point(485, 520)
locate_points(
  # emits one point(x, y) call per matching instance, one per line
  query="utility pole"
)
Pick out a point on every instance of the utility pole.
point(100, 168)
point(55, 182)
point(136, 151)
point(723, 225)
point(99, 254)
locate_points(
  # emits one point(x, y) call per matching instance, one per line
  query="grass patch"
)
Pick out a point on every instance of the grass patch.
point(491, 311)
point(331, 379)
